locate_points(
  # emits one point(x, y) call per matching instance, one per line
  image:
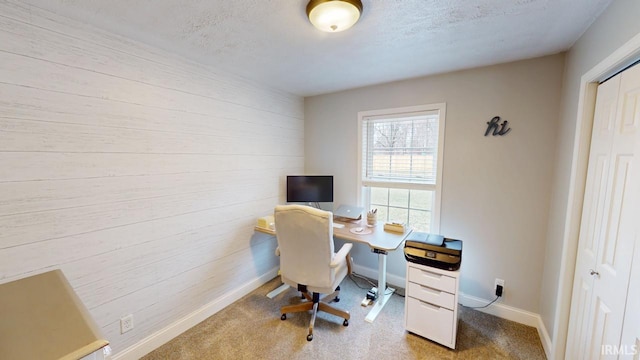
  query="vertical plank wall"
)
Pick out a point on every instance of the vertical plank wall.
point(138, 173)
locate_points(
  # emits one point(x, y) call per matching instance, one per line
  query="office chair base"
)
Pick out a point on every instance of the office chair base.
point(313, 303)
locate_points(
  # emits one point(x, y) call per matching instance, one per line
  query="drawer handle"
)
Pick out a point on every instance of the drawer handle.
point(430, 290)
point(430, 274)
point(430, 306)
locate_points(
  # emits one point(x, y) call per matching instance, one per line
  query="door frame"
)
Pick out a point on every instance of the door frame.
point(616, 61)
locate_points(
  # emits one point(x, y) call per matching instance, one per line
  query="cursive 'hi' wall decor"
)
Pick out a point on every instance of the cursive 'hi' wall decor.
point(498, 129)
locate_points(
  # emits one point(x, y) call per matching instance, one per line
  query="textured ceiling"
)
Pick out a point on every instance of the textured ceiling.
point(272, 42)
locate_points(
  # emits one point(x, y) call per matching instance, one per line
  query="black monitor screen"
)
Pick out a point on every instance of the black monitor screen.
point(309, 188)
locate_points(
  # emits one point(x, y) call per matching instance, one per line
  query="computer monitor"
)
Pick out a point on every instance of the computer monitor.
point(309, 188)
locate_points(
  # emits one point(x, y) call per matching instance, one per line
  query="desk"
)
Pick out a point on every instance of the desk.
point(380, 242)
point(43, 318)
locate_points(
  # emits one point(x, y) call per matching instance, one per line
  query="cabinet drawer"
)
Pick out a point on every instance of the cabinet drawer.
point(432, 279)
point(430, 321)
point(430, 295)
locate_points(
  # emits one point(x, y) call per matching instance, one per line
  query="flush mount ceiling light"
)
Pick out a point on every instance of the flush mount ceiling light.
point(334, 15)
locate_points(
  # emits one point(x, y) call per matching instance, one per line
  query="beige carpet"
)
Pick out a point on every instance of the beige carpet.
point(251, 329)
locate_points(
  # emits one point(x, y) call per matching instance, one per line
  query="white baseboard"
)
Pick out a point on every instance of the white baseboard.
point(547, 344)
point(500, 310)
point(161, 337)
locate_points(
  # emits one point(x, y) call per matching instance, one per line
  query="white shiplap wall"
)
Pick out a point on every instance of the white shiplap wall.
point(138, 173)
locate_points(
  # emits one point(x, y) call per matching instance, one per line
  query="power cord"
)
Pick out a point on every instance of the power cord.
point(371, 283)
point(482, 307)
point(499, 290)
point(354, 275)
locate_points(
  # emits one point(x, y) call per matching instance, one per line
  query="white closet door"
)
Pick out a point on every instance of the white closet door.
point(609, 219)
point(630, 344)
point(592, 216)
point(615, 251)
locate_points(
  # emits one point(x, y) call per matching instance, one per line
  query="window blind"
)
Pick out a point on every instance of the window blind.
point(400, 149)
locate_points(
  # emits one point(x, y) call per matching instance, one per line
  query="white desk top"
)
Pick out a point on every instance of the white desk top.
point(378, 238)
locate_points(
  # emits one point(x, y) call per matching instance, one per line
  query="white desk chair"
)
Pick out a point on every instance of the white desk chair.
point(308, 261)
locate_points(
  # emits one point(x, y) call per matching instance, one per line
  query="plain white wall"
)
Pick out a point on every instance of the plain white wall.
point(138, 173)
point(496, 190)
point(612, 29)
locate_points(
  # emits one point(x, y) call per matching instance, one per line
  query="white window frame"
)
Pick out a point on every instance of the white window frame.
point(440, 108)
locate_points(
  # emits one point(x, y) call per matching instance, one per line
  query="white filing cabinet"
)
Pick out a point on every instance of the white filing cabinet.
point(431, 303)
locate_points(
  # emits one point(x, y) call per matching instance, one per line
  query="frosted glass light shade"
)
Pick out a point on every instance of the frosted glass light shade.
point(334, 15)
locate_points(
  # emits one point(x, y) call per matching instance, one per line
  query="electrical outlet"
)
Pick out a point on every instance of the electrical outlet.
point(495, 286)
point(126, 323)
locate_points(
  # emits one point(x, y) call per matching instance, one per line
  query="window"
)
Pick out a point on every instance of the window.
point(401, 164)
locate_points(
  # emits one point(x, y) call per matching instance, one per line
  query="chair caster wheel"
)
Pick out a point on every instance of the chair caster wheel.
point(337, 299)
point(283, 317)
point(309, 337)
point(345, 322)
